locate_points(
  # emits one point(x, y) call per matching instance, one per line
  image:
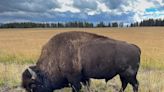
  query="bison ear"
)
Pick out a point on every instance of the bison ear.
point(33, 74)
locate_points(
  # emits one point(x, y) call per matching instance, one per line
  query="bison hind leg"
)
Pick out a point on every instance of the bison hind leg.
point(124, 83)
point(134, 82)
point(129, 79)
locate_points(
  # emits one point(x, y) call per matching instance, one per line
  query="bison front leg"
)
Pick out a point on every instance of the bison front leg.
point(76, 86)
point(86, 83)
point(75, 83)
point(88, 86)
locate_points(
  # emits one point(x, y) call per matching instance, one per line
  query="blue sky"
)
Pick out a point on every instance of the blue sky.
point(126, 11)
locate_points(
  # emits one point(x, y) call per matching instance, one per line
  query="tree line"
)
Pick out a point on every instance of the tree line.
point(60, 25)
point(148, 22)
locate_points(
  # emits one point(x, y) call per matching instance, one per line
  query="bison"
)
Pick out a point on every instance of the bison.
point(72, 58)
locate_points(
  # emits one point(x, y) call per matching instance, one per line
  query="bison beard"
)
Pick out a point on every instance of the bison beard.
point(73, 57)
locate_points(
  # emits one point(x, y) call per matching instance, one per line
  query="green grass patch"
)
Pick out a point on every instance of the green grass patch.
point(18, 59)
point(152, 63)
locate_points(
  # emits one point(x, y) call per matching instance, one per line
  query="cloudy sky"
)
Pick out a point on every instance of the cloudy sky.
point(80, 10)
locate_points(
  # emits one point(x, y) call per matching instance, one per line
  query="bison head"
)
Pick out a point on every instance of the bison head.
point(34, 81)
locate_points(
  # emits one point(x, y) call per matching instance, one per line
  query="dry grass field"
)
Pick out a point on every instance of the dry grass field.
point(20, 48)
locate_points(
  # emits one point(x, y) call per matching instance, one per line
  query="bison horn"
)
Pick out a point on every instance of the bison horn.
point(32, 73)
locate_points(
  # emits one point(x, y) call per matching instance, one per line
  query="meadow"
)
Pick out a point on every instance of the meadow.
point(20, 48)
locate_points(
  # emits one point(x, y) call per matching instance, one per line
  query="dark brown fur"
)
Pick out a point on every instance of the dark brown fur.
point(74, 57)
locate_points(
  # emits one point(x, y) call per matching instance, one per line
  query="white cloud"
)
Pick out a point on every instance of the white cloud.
point(92, 12)
point(139, 8)
point(66, 5)
point(65, 2)
point(137, 17)
point(65, 8)
point(141, 5)
point(102, 7)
